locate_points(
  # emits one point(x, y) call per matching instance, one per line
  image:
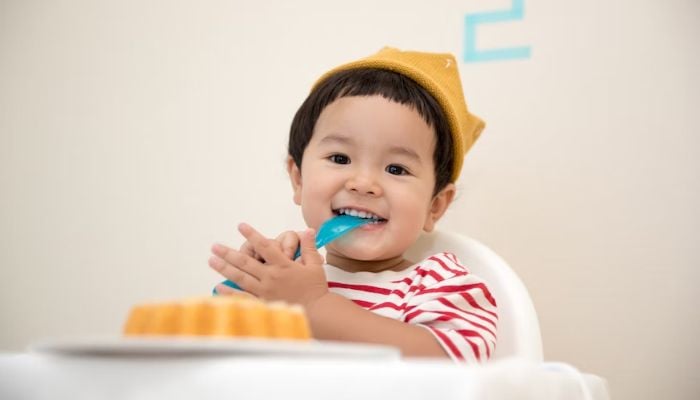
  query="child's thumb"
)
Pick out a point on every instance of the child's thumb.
point(309, 253)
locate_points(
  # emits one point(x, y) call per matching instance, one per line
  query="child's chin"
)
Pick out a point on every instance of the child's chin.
point(352, 251)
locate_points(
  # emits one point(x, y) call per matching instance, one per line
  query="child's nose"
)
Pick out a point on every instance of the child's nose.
point(363, 184)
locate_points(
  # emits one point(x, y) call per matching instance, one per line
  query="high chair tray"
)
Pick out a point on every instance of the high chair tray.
point(210, 347)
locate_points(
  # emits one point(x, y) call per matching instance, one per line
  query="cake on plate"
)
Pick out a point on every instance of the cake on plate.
point(223, 316)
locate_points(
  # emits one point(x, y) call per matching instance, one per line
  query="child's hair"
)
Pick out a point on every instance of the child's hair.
point(369, 82)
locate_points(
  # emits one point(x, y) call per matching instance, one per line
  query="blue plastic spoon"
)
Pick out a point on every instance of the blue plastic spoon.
point(329, 231)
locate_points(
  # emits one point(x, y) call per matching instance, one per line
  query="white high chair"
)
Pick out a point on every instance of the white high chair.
point(518, 328)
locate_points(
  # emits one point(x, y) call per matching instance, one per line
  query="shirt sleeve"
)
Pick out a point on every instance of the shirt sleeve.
point(458, 310)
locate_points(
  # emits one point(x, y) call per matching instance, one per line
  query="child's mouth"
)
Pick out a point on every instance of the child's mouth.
point(374, 219)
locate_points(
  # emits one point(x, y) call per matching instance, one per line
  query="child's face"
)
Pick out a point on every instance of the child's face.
point(372, 155)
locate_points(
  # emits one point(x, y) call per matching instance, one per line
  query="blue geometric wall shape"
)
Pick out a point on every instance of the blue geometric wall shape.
point(472, 21)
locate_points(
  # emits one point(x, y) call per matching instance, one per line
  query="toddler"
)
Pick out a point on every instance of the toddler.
point(382, 138)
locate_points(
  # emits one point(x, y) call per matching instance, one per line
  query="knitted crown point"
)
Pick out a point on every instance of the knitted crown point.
point(437, 73)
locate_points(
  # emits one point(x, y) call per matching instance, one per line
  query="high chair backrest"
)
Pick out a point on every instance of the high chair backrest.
point(518, 328)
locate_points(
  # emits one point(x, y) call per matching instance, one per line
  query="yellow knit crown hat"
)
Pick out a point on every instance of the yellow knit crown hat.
point(437, 73)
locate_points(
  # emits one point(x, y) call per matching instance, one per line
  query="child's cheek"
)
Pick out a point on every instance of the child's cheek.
point(313, 210)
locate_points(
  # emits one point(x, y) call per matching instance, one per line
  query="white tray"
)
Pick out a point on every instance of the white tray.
point(210, 347)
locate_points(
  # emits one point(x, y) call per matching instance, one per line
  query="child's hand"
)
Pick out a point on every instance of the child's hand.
point(277, 277)
point(288, 242)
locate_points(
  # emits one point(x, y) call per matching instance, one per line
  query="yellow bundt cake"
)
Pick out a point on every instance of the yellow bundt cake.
point(237, 316)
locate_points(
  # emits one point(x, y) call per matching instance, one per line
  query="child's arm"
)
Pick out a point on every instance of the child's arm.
point(332, 317)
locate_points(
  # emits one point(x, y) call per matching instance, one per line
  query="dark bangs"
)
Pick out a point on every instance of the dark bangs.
point(370, 82)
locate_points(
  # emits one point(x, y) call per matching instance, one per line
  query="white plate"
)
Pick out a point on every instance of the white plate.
point(195, 346)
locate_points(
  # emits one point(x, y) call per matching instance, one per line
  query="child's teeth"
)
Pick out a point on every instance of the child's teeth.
point(356, 213)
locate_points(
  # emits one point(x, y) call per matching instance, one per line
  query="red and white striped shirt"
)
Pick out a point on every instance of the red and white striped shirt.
point(438, 294)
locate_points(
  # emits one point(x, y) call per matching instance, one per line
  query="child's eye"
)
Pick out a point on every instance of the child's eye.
point(339, 159)
point(396, 170)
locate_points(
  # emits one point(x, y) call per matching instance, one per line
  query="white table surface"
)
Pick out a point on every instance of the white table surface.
point(40, 376)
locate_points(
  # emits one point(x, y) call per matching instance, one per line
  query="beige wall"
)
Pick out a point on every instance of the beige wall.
point(134, 134)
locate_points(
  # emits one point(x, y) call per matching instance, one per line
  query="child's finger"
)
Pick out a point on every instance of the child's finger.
point(309, 253)
point(224, 290)
point(239, 260)
point(247, 249)
point(244, 280)
point(289, 241)
point(269, 249)
point(237, 267)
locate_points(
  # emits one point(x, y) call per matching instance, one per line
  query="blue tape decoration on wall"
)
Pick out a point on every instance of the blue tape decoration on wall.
point(471, 21)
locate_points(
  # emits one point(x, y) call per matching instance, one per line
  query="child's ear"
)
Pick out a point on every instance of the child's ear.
point(439, 205)
point(295, 178)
